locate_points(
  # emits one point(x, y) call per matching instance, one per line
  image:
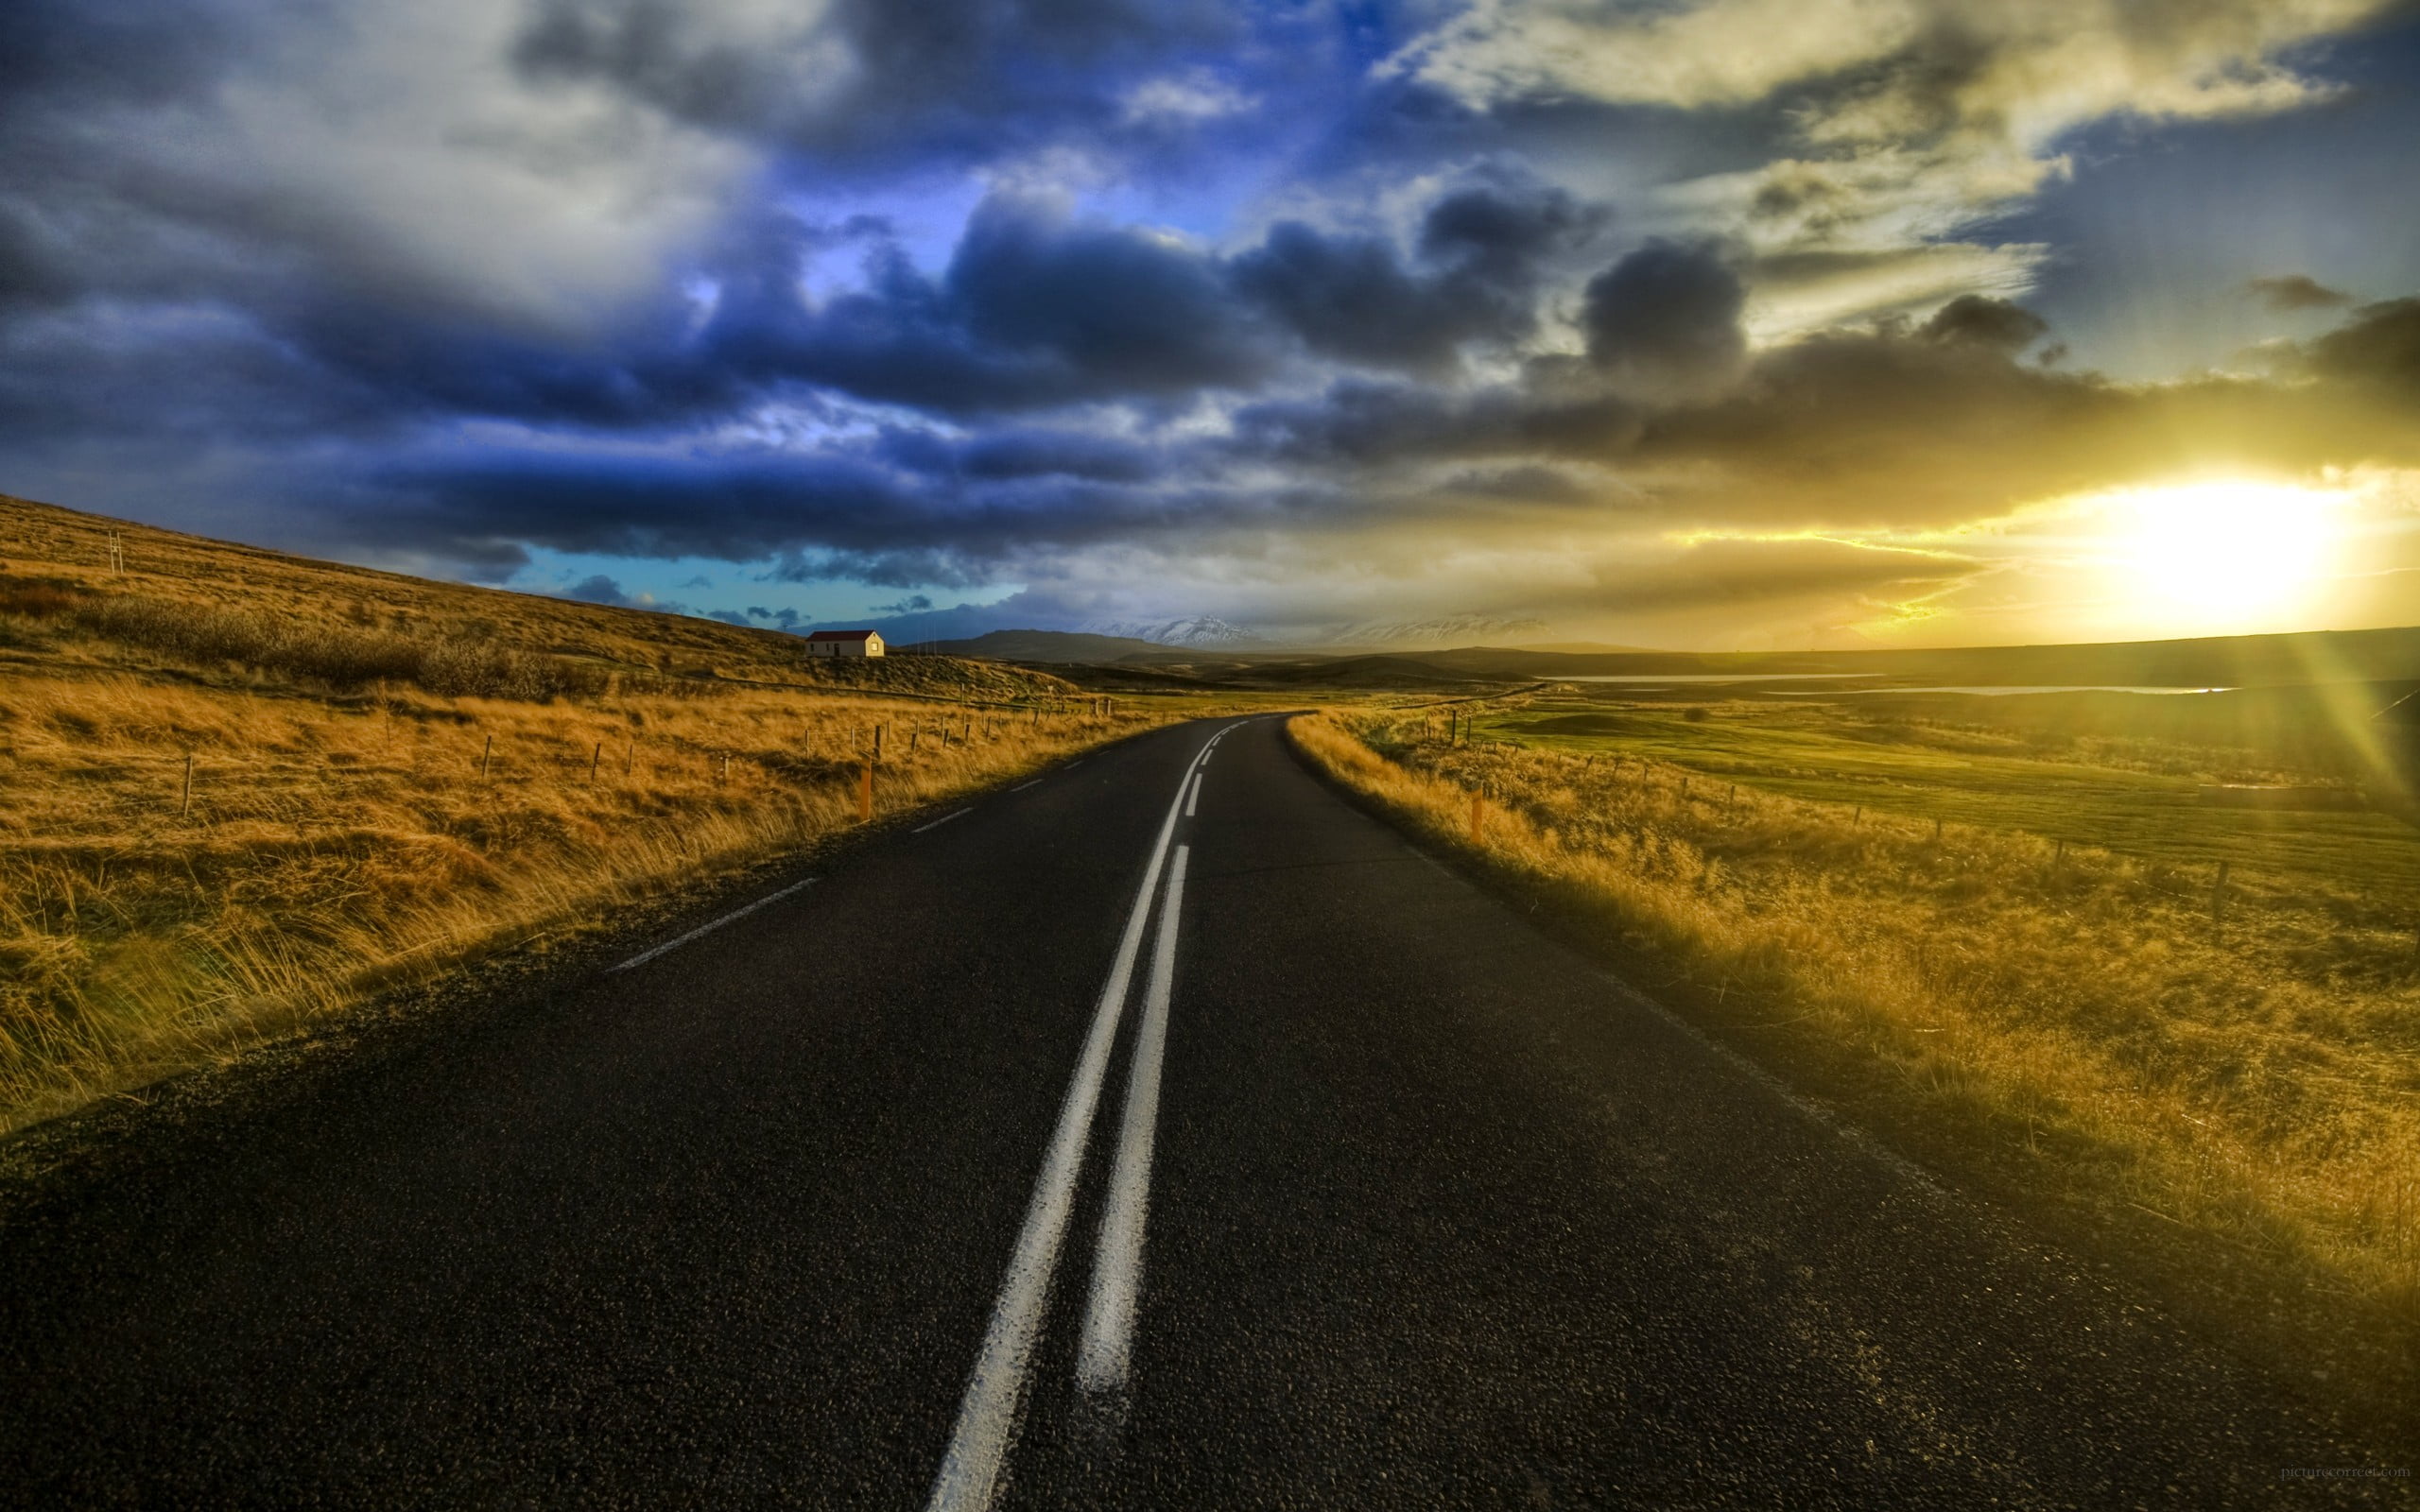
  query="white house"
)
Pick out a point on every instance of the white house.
point(844, 643)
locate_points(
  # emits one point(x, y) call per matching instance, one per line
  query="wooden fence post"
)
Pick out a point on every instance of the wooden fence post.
point(593, 757)
point(184, 806)
point(486, 755)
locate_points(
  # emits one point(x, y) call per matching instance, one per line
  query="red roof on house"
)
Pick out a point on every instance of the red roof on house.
point(841, 635)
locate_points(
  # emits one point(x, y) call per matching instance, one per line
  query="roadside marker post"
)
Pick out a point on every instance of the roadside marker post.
point(864, 794)
point(1478, 812)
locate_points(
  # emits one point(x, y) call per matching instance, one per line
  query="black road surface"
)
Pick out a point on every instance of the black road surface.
point(1429, 1213)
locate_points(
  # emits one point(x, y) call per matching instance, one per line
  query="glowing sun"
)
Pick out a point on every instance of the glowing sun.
point(2223, 553)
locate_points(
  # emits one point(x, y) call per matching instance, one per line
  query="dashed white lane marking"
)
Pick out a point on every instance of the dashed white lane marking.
point(944, 819)
point(645, 956)
point(1021, 786)
point(1102, 1357)
point(987, 1416)
point(1193, 796)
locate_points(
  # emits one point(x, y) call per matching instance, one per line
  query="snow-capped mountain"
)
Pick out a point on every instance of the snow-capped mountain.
point(1201, 630)
point(1443, 631)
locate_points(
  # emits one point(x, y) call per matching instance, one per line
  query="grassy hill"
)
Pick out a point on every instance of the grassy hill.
point(241, 789)
point(218, 608)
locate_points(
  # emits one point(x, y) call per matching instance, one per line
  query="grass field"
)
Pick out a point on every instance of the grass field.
point(2006, 763)
point(2093, 1026)
point(388, 776)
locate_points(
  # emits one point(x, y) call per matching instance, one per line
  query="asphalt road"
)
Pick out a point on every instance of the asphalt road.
point(954, 1176)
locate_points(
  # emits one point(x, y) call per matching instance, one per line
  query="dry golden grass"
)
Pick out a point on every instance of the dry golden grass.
point(341, 839)
point(2083, 1018)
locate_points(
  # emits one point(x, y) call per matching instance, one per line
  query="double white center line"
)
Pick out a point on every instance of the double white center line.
point(987, 1416)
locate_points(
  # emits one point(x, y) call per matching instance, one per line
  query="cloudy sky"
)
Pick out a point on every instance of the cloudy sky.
point(1702, 323)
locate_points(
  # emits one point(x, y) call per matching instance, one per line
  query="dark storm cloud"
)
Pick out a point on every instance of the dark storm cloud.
point(2287, 293)
point(1665, 319)
point(1481, 251)
point(1985, 322)
point(1035, 310)
point(1361, 423)
point(864, 82)
point(1020, 452)
point(2379, 346)
point(837, 513)
point(1529, 481)
point(1351, 298)
point(1124, 309)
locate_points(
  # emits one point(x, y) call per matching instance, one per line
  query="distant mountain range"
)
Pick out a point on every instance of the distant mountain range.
point(1205, 633)
point(1201, 630)
point(1448, 630)
point(1049, 645)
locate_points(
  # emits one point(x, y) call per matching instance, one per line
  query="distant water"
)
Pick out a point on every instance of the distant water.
point(1658, 679)
point(1995, 691)
point(1668, 680)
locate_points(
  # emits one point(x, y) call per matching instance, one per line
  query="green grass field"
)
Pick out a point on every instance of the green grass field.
point(1938, 759)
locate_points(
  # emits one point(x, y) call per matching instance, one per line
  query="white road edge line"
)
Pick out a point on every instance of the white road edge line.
point(944, 819)
point(1021, 786)
point(1104, 1357)
point(645, 956)
point(1194, 795)
point(987, 1416)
